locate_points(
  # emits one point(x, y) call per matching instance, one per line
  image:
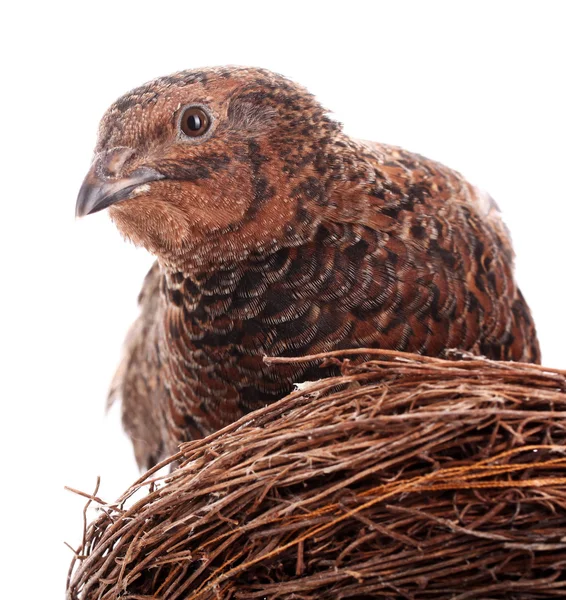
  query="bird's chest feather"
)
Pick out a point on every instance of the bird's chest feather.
point(218, 326)
point(239, 314)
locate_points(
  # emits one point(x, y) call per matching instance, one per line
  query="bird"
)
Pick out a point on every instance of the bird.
point(277, 234)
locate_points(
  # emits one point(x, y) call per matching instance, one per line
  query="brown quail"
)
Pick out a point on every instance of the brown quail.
point(277, 234)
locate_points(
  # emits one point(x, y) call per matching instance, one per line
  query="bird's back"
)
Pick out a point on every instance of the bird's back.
point(448, 237)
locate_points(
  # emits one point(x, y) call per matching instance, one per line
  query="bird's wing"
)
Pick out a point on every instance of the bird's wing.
point(436, 258)
point(137, 382)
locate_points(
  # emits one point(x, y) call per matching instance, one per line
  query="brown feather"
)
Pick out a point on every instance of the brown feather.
point(279, 235)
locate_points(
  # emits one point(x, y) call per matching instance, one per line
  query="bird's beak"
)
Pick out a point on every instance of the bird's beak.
point(104, 186)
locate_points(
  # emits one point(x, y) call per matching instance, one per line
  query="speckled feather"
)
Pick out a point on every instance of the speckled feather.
point(279, 235)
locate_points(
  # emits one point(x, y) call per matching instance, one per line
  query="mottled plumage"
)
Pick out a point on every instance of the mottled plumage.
point(276, 234)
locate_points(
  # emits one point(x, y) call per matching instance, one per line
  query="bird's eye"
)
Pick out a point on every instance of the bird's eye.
point(194, 121)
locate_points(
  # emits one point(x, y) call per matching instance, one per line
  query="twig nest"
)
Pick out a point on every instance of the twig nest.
point(405, 477)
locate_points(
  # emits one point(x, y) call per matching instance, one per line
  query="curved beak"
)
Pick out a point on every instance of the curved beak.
point(103, 185)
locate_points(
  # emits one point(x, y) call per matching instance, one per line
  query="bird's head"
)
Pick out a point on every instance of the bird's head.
point(211, 165)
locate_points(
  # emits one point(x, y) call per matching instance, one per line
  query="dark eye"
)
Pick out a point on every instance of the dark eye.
point(194, 121)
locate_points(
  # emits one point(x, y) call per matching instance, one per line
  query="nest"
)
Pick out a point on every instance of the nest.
point(404, 477)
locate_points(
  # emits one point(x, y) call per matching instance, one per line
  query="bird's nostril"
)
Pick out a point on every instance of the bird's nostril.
point(111, 165)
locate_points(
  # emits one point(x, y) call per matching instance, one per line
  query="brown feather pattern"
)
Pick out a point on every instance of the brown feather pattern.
point(279, 235)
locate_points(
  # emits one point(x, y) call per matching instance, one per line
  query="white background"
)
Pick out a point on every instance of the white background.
point(476, 85)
